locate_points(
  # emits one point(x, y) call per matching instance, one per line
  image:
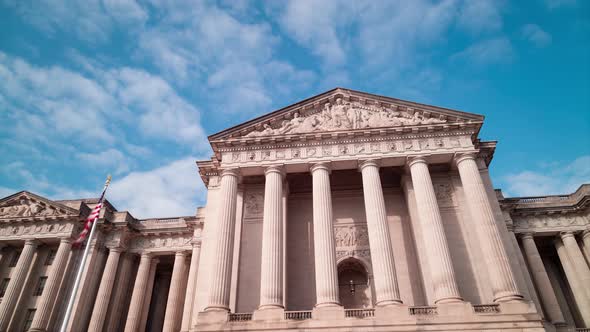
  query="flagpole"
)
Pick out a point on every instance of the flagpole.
point(70, 307)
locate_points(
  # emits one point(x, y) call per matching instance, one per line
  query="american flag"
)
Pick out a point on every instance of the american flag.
point(88, 223)
point(93, 216)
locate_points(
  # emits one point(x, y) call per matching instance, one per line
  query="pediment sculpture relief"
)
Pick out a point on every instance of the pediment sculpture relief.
point(26, 207)
point(344, 115)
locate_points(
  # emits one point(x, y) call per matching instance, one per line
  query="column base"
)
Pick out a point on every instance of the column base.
point(36, 330)
point(328, 311)
point(509, 297)
point(388, 303)
point(211, 316)
point(461, 309)
point(392, 312)
point(518, 307)
point(449, 300)
point(269, 313)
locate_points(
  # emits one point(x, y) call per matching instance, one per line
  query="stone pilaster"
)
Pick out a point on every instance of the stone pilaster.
point(190, 288)
point(500, 272)
point(176, 294)
point(326, 275)
point(541, 280)
point(577, 259)
point(104, 291)
point(574, 281)
point(139, 292)
point(435, 242)
point(47, 302)
point(271, 272)
point(223, 243)
point(17, 281)
point(386, 287)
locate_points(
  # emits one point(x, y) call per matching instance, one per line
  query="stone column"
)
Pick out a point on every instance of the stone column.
point(541, 280)
point(224, 243)
point(577, 259)
point(386, 287)
point(435, 242)
point(175, 294)
point(271, 271)
point(148, 294)
point(104, 291)
point(190, 288)
point(500, 272)
point(575, 282)
point(49, 295)
point(586, 244)
point(139, 293)
point(16, 283)
point(326, 274)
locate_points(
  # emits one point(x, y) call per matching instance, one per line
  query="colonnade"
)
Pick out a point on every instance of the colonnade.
point(385, 278)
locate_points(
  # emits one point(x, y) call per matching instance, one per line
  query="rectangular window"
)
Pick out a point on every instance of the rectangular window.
point(29, 319)
point(40, 286)
point(14, 259)
point(50, 257)
point(3, 286)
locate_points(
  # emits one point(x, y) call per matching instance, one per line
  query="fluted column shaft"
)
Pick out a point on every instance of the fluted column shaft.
point(190, 288)
point(138, 295)
point(586, 244)
point(326, 275)
point(500, 273)
point(386, 286)
point(224, 243)
point(433, 233)
point(104, 291)
point(271, 272)
point(541, 280)
point(49, 295)
point(177, 287)
point(16, 283)
point(577, 259)
point(148, 294)
point(573, 279)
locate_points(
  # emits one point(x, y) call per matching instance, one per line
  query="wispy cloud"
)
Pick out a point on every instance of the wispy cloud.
point(536, 35)
point(496, 50)
point(550, 179)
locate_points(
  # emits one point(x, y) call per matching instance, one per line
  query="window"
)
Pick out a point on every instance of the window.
point(29, 319)
point(40, 286)
point(3, 286)
point(14, 259)
point(50, 257)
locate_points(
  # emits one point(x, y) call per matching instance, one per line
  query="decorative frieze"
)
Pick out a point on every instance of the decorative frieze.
point(330, 149)
point(550, 222)
point(161, 243)
point(36, 229)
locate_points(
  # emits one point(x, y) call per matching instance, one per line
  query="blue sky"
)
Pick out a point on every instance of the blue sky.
point(133, 88)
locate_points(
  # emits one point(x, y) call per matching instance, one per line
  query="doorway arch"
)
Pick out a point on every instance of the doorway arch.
point(354, 285)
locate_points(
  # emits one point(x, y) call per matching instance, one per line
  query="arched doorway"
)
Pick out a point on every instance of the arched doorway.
point(353, 281)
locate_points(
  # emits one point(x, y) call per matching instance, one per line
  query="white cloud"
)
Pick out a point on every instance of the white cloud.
point(63, 104)
point(171, 190)
point(554, 179)
point(477, 16)
point(110, 160)
point(536, 35)
point(89, 20)
point(488, 51)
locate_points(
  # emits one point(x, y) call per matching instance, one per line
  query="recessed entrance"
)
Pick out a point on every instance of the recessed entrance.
point(353, 281)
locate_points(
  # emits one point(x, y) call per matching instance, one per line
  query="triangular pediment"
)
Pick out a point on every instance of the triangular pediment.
point(340, 110)
point(26, 205)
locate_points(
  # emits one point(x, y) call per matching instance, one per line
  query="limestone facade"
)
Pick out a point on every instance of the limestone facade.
point(346, 211)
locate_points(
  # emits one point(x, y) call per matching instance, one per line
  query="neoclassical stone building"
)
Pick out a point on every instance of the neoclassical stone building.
point(343, 212)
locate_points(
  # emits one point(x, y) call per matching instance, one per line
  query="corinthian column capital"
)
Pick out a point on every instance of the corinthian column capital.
point(278, 169)
point(320, 166)
point(368, 163)
point(416, 160)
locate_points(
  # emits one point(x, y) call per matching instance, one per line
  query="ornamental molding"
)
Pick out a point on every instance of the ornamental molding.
point(378, 147)
point(25, 206)
point(38, 230)
point(161, 243)
point(550, 223)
